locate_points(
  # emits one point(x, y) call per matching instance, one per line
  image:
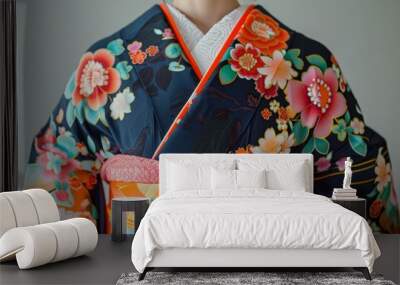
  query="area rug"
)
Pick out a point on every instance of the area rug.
point(236, 278)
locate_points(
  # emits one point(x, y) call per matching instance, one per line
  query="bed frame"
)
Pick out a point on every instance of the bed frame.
point(250, 259)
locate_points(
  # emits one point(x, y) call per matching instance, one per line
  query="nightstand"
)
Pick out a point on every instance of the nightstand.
point(127, 213)
point(358, 205)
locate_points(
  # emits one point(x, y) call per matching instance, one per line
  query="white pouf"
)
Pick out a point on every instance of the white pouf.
point(31, 232)
point(37, 245)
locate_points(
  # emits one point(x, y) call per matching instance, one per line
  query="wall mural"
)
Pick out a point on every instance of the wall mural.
point(271, 90)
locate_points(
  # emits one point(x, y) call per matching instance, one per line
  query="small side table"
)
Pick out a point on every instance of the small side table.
point(358, 206)
point(127, 212)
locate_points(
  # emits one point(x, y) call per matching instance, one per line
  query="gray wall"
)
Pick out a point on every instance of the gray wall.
point(363, 34)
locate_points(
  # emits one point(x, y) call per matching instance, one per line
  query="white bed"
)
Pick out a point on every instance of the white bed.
point(250, 227)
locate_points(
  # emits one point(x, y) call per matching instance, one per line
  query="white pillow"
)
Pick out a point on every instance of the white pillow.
point(238, 179)
point(292, 179)
point(185, 175)
point(281, 174)
point(223, 179)
point(183, 178)
point(251, 178)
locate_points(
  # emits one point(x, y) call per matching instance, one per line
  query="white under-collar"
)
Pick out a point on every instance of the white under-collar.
point(204, 47)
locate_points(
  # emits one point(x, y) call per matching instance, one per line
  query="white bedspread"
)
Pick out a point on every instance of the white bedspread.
point(250, 219)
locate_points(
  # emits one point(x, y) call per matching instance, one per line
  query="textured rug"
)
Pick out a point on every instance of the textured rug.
point(236, 278)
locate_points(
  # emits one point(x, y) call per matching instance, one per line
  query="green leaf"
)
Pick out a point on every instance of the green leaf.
point(317, 60)
point(70, 114)
point(300, 133)
point(227, 75)
point(173, 50)
point(385, 194)
point(106, 154)
point(372, 194)
point(176, 67)
point(116, 47)
point(340, 130)
point(53, 125)
point(94, 212)
point(124, 69)
point(69, 89)
point(347, 117)
point(322, 146)
point(310, 146)
point(92, 116)
point(79, 112)
point(91, 144)
point(358, 145)
point(227, 54)
point(102, 116)
point(68, 145)
point(391, 210)
point(158, 32)
point(293, 56)
point(105, 143)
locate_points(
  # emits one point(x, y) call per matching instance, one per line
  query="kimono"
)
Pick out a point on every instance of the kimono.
point(149, 89)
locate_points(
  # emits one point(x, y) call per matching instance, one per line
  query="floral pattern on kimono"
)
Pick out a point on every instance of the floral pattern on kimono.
point(270, 90)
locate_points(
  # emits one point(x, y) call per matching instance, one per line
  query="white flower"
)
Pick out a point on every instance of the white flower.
point(282, 125)
point(121, 104)
point(357, 126)
point(273, 143)
point(274, 106)
point(277, 70)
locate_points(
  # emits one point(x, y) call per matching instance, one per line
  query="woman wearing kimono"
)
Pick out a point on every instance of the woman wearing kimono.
point(204, 76)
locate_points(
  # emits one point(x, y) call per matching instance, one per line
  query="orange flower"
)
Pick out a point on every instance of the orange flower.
point(264, 33)
point(152, 50)
point(138, 57)
point(95, 79)
point(290, 112)
point(83, 180)
point(283, 114)
point(244, 150)
point(266, 114)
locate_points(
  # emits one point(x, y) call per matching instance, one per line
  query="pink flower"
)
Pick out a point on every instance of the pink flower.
point(323, 164)
point(56, 156)
point(95, 79)
point(56, 165)
point(318, 100)
point(340, 163)
point(168, 34)
point(43, 143)
point(245, 61)
point(134, 46)
point(61, 195)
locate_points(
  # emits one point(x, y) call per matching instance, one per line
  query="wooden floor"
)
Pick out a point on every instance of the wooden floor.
point(110, 260)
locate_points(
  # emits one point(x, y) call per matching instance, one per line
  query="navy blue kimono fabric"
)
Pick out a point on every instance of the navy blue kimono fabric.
point(270, 90)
